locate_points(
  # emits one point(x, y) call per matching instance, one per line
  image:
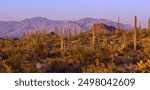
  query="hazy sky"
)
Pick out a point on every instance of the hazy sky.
point(76, 9)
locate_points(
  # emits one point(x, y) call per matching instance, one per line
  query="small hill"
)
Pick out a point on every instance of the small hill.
point(101, 28)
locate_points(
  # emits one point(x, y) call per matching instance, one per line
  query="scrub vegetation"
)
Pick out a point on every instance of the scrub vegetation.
point(95, 51)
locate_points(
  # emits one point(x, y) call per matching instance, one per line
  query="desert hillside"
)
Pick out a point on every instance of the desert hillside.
point(99, 50)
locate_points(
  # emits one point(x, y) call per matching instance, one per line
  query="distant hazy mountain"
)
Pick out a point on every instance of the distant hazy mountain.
point(17, 28)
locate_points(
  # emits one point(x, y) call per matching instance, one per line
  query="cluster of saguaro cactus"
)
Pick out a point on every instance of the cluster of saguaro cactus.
point(135, 33)
point(93, 37)
point(149, 24)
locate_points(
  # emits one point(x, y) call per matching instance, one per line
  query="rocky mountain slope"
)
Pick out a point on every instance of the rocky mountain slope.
point(17, 28)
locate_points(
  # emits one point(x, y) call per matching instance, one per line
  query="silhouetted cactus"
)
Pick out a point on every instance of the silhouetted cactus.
point(135, 33)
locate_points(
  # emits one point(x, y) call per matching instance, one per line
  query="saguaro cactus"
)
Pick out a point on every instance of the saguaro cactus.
point(65, 32)
point(76, 31)
point(118, 24)
point(140, 26)
point(124, 39)
point(149, 24)
point(68, 34)
point(135, 33)
point(93, 37)
point(61, 39)
point(6, 44)
point(56, 31)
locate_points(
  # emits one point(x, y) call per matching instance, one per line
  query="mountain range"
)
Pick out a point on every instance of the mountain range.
point(17, 28)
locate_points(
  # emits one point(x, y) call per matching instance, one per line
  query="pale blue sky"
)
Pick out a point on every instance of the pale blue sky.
point(76, 9)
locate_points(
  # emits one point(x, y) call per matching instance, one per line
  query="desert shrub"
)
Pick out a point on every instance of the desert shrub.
point(112, 53)
point(99, 67)
point(59, 66)
point(20, 63)
point(143, 67)
point(4, 68)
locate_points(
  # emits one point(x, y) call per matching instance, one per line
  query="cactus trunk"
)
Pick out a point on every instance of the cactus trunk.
point(93, 37)
point(56, 31)
point(140, 28)
point(6, 40)
point(68, 33)
point(118, 23)
point(124, 39)
point(76, 31)
point(149, 24)
point(61, 39)
point(135, 33)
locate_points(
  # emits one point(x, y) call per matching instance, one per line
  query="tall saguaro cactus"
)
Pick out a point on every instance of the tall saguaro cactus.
point(140, 26)
point(149, 24)
point(118, 24)
point(124, 39)
point(68, 33)
point(76, 31)
point(93, 37)
point(6, 40)
point(135, 33)
point(61, 39)
point(56, 31)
